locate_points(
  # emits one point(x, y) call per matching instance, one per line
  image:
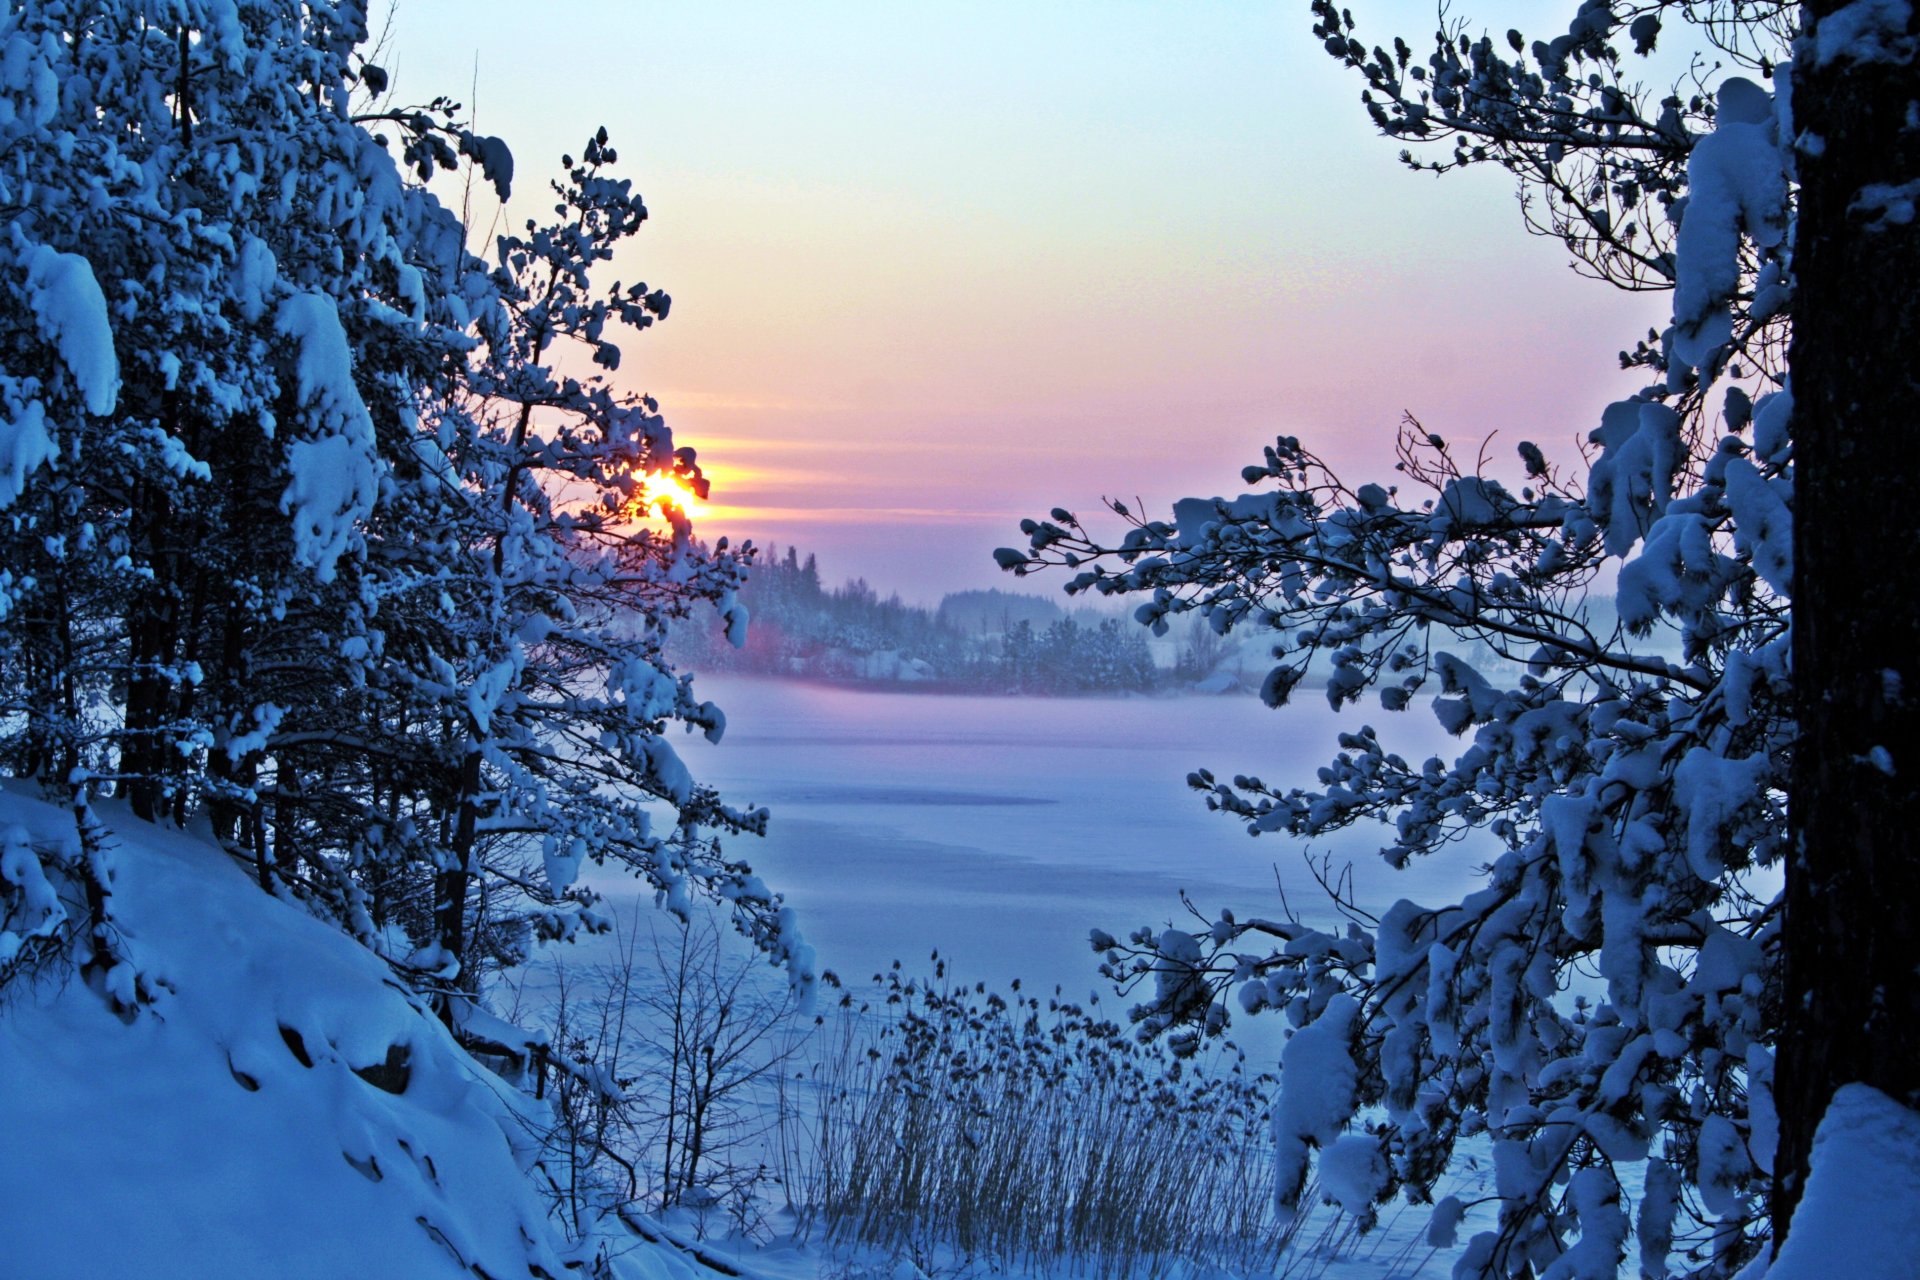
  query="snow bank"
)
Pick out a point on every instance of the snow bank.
point(1856, 1218)
point(284, 1110)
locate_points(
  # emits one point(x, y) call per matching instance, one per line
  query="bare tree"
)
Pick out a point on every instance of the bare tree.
point(722, 1031)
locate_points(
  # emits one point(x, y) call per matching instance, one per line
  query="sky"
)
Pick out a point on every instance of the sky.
point(938, 266)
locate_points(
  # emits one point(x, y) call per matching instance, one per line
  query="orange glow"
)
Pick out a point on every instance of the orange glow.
point(660, 491)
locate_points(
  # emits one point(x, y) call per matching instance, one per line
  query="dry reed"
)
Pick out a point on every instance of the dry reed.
point(942, 1121)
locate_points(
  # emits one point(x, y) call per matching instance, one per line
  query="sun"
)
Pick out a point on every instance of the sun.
point(659, 490)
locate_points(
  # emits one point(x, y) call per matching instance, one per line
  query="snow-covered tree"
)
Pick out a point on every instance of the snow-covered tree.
point(1632, 808)
point(212, 320)
point(305, 521)
point(571, 556)
point(1851, 1001)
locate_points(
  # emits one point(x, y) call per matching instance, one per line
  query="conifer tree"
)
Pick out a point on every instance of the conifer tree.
point(302, 528)
point(1637, 806)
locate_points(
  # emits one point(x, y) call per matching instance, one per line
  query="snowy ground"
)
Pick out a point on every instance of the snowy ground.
point(241, 1126)
point(997, 830)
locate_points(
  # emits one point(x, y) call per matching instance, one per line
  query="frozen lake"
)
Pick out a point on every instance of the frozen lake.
point(1001, 830)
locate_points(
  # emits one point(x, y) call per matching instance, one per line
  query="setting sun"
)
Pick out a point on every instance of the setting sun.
point(659, 490)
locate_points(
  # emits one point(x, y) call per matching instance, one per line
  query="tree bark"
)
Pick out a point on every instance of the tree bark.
point(152, 632)
point(1852, 1001)
point(452, 881)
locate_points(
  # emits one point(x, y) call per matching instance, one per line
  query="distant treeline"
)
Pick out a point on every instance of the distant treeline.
point(985, 641)
point(995, 641)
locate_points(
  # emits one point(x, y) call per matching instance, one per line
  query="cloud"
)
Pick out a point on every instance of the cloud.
point(854, 515)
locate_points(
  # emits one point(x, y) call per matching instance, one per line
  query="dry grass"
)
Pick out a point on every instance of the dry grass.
point(932, 1123)
point(944, 1121)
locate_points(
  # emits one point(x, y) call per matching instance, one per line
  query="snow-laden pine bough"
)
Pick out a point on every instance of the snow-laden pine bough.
point(1606, 1007)
point(312, 529)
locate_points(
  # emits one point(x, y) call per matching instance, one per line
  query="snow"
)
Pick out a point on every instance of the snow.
point(213, 1146)
point(1003, 829)
point(1603, 1230)
point(1193, 517)
point(997, 829)
point(1352, 1172)
point(1736, 178)
point(266, 718)
point(1464, 503)
point(1653, 1232)
point(253, 277)
point(1676, 574)
point(334, 475)
point(40, 913)
point(72, 315)
point(1712, 791)
point(1864, 31)
point(484, 696)
point(262, 1096)
point(562, 861)
point(1317, 1088)
point(1632, 481)
point(33, 87)
point(1856, 1218)
point(1763, 523)
point(1885, 205)
point(1724, 1167)
point(25, 446)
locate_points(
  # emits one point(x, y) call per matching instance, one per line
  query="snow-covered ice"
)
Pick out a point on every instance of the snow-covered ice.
point(1002, 830)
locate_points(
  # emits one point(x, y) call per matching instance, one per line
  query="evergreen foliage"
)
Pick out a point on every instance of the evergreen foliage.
point(308, 528)
point(1631, 800)
point(996, 611)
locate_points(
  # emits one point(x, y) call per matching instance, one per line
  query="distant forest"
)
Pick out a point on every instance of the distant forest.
point(980, 641)
point(995, 641)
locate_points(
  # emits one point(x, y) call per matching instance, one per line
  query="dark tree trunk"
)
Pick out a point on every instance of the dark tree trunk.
point(69, 757)
point(1852, 999)
point(152, 633)
point(190, 694)
point(451, 883)
point(39, 745)
point(244, 569)
point(236, 824)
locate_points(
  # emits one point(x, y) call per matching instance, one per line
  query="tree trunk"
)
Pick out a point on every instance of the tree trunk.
point(147, 757)
point(144, 743)
point(1852, 1001)
point(451, 882)
point(249, 507)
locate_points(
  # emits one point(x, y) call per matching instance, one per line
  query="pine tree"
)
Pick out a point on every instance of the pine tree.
point(200, 241)
point(302, 527)
point(1640, 802)
point(1851, 999)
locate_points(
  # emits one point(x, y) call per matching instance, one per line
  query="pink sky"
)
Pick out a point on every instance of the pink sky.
point(939, 266)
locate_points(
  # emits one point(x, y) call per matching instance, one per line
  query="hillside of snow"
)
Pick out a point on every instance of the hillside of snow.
point(281, 1109)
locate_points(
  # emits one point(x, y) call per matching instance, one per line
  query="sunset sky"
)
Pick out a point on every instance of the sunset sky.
point(936, 266)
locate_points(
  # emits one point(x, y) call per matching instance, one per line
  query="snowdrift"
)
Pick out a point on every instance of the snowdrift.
point(282, 1109)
